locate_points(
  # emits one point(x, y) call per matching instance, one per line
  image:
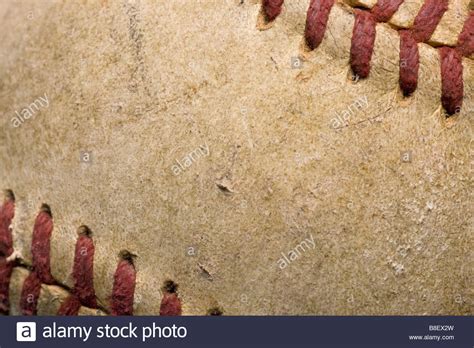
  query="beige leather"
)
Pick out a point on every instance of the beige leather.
point(380, 184)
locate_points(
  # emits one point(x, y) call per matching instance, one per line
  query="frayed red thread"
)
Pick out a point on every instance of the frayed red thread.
point(70, 306)
point(451, 79)
point(124, 287)
point(428, 19)
point(30, 294)
point(83, 269)
point(40, 246)
point(271, 9)
point(316, 22)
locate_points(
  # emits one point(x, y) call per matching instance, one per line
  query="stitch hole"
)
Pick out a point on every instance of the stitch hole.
point(215, 311)
point(170, 287)
point(127, 256)
point(9, 195)
point(46, 208)
point(352, 77)
point(83, 230)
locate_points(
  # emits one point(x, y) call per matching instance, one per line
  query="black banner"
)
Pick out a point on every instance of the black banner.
point(118, 332)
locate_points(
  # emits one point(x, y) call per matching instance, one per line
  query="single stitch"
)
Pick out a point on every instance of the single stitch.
point(6, 269)
point(271, 9)
point(83, 268)
point(409, 63)
point(466, 38)
point(170, 303)
point(316, 22)
point(385, 9)
point(124, 285)
point(41, 244)
point(451, 79)
point(428, 19)
point(362, 45)
point(40, 251)
point(30, 293)
point(7, 212)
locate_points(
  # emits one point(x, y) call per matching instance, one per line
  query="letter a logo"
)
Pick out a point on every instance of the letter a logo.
point(26, 332)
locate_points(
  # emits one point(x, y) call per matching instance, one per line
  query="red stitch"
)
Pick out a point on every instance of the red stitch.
point(451, 79)
point(40, 246)
point(409, 63)
point(170, 303)
point(362, 46)
point(7, 212)
point(385, 9)
point(6, 269)
point(124, 285)
point(316, 21)
point(466, 38)
point(271, 9)
point(70, 306)
point(83, 268)
point(428, 19)
point(30, 294)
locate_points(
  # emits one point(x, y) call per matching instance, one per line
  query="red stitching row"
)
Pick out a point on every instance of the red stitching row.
point(363, 39)
point(83, 293)
point(452, 86)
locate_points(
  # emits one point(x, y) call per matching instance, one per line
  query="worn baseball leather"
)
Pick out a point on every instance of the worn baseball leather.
point(260, 176)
